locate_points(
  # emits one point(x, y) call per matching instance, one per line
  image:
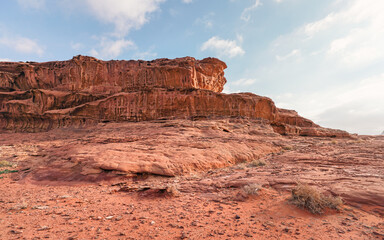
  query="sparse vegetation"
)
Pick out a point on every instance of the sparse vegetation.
point(307, 197)
point(287, 147)
point(8, 171)
point(240, 166)
point(21, 206)
point(4, 163)
point(172, 190)
point(252, 189)
point(258, 163)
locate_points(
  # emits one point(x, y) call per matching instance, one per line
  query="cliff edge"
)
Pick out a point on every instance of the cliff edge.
point(85, 90)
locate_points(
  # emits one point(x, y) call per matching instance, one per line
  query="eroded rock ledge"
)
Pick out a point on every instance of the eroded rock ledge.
point(85, 90)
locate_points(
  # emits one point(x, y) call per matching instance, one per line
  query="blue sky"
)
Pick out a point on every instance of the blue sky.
point(325, 59)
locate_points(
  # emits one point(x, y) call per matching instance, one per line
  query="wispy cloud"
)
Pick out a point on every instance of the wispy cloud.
point(223, 48)
point(353, 107)
point(22, 45)
point(187, 1)
point(76, 46)
point(341, 54)
point(5, 60)
point(146, 55)
point(351, 36)
point(124, 15)
point(246, 14)
point(206, 20)
point(244, 82)
point(110, 49)
point(33, 4)
point(293, 53)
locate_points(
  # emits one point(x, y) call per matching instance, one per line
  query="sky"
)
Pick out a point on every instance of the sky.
point(324, 59)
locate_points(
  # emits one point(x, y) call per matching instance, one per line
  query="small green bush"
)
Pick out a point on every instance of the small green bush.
point(8, 171)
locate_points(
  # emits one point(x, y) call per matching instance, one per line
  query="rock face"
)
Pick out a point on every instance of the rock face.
point(111, 170)
point(85, 90)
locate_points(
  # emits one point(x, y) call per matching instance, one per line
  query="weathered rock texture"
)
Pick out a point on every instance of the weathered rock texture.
point(85, 90)
point(105, 170)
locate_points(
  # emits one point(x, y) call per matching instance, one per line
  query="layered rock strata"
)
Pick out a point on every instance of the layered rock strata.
point(85, 90)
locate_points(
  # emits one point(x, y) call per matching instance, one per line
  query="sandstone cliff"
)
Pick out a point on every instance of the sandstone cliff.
point(85, 90)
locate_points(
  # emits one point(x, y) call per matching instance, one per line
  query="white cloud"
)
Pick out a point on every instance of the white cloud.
point(239, 38)
point(110, 49)
point(226, 89)
point(355, 107)
point(22, 45)
point(315, 27)
point(187, 1)
point(352, 36)
point(5, 60)
point(34, 4)
point(347, 39)
point(146, 55)
point(244, 82)
point(206, 20)
point(293, 53)
point(223, 48)
point(76, 46)
point(124, 14)
point(334, 58)
point(246, 14)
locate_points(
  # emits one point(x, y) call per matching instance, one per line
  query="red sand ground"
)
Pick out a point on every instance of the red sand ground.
point(210, 204)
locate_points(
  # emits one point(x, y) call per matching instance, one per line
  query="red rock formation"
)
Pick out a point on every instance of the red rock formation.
point(289, 122)
point(85, 90)
point(93, 76)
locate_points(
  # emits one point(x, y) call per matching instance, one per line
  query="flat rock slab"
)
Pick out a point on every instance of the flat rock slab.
point(228, 150)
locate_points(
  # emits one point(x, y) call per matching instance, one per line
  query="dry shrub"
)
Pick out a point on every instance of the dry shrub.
point(252, 189)
point(257, 163)
point(5, 164)
point(21, 206)
point(240, 166)
point(307, 197)
point(287, 147)
point(172, 190)
point(333, 202)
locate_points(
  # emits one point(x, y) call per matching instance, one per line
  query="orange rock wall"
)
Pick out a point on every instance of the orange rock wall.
point(85, 90)
point(90, 75)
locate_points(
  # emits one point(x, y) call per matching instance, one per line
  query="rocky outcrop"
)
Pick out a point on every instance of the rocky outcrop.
point(288, 122)
point(85, 90)
point(90, 75)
